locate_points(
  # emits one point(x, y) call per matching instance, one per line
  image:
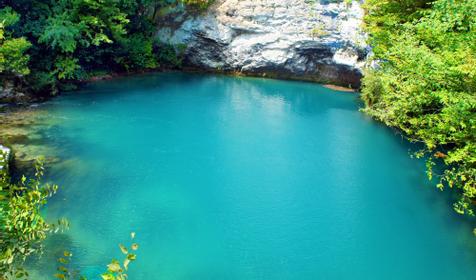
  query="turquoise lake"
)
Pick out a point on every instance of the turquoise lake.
point(243, 178)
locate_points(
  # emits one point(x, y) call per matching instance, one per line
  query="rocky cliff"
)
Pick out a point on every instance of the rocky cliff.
point(299, 39)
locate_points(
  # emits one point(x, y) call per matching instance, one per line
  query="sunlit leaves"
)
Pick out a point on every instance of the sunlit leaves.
point(74, 26)
point(123, 249)
point(67, 67)
point(83, 23)
point(114, 267)
point(425, 84)
point(13, 57)
point(202, 4)
point(8, 17)
point(61, 33)
point(75, 39)
point(23, 227)
point(115, 270)
point(64, 270)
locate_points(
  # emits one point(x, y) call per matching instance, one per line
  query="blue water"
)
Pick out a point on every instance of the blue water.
point(243, 178)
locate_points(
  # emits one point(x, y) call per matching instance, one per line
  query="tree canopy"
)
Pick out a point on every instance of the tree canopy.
point(56, 42)
point(13, 57)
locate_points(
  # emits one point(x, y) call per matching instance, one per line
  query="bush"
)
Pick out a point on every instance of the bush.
point(426, 83)
point(22, 227)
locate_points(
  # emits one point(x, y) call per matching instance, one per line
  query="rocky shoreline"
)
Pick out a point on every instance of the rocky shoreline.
point(23, 131)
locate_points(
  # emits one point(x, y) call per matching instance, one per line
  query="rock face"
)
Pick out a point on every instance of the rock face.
point(300, 39)
point(11, 91)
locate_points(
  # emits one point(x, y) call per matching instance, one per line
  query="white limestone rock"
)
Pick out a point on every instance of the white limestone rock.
point(302, 39)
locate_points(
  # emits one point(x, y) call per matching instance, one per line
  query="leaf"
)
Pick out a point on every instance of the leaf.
point(123, 249)
point(131, 257)
point(107, 276)
point(133, 235)
point(126, 263)
point(19, 274)
point(114, 267)
point(59, 276)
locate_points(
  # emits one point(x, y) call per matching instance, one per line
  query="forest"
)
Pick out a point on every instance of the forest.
point(48, 46)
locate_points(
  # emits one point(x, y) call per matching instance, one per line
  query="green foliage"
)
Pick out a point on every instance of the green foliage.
point(202, 4)
point(170, 55)
point(74, 28)
point(84, 23)
point(138, 53)
point(12, 56)
point(8, 17)
point(57, 42)
point(115, 270)
point(318, 31)
point(67, 67)
point(13, 60)
point(42, 82)
point(60, 34)
point(22, 227)
point(425, 83)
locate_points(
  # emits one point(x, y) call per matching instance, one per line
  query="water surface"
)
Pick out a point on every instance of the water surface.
point(241, 178)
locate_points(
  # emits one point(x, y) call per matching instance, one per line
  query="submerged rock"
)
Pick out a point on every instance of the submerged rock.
point(309, 40)
point(25, 130)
